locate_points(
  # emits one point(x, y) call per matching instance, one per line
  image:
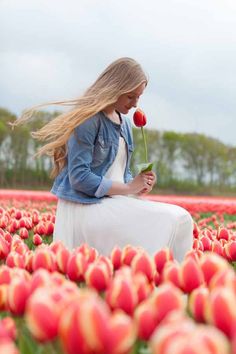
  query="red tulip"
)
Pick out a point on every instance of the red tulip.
point(191, 275)
point(115, 257)
point(166, 299)
point(17, 295)
point(171, 273)
point(76, 267)
point(122, 333)
point(10, 326)
point(97, 276)
point(121, 293)
point(139, 118)
point(210, 264)
point(143, 263)
point(43, 312)
point(37, 240)
point(7, 346)
point(44, 258)
point(220, 310)
point(146, 319)
point(161, 257)
point(197, 303)
point(84, 325)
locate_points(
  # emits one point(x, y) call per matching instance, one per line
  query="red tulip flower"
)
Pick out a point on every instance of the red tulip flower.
point(140, 120)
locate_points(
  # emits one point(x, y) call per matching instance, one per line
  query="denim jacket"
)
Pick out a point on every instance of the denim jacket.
point(92, 148)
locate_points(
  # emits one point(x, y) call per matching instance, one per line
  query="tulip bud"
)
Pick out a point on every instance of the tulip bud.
point(62, 257)
point(89, 253)
point(127, 255)
point(49, 228)
point(121, 293)
point(10, 326)
point(122, 333)
point(43, 312)
point(210, 264)
point(44, 258)
point(145, 319)
point(24, 233)
point(97, 276)
point(15, 259)
point(37, 240)
point(230, 250)
point(217, 247)
point(161, 257)
point(196, 230)
point(76, 267)
point(76, 337)
point(139, 118)
point(197, 302)
point(115, 257)
point(41, 277)
point(223, 233)
point(17, 296)
point(220, 310)
point(142, 286)
point(144, 264)
point(171, 273)
point(5, 274)
point(167, 335)
point(206, 243)
point(197, 245)
point(166, 299)
point(191, 275)
point(223, 278)
point(28, 260)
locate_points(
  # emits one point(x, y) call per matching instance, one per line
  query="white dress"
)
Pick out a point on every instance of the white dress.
point(122, 220)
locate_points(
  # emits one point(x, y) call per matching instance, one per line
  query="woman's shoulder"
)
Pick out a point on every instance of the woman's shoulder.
point(90, 123)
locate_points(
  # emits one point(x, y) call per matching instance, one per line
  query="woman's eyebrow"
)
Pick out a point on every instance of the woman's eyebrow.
point(133, 94)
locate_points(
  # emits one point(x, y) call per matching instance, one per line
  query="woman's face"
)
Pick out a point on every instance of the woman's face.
point(129, 100)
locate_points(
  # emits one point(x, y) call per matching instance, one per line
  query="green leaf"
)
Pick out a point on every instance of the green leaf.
point(26, 344)
point(144, 167)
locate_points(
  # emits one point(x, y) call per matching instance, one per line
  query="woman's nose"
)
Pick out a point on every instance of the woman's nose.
point(135, 102)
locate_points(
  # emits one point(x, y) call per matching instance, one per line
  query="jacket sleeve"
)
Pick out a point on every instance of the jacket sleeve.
point(80, 154)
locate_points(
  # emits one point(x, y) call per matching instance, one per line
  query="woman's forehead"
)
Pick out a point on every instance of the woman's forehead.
point(139, 90)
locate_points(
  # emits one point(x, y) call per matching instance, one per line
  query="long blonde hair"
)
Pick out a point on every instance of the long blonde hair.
point(121, 76)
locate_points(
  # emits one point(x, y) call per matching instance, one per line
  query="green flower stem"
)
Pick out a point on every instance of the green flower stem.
point(145, 144)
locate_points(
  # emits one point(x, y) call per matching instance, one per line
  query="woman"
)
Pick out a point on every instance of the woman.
point(91, 148)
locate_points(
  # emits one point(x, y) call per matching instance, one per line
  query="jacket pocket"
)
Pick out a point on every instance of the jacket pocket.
point(101, 151)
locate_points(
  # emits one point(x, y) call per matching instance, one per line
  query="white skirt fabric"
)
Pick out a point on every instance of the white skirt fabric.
point(122, 220)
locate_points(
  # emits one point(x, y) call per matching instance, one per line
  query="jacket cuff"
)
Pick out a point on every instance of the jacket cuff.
point(103, 188)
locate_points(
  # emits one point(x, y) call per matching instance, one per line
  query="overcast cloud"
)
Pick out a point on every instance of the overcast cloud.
point(54, 49)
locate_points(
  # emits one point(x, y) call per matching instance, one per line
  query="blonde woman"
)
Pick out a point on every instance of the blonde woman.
point(91, 147)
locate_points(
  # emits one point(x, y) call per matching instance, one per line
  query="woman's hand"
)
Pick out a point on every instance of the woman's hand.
point(142, 183)
point(151, 182)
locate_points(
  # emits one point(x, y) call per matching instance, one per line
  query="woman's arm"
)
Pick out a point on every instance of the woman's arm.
point(140, 183)
point(80, 155)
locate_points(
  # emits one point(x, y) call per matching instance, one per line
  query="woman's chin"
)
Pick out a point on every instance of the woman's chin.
point(125, 110)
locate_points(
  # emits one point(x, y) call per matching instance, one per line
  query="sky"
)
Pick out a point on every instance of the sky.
point(53, 50)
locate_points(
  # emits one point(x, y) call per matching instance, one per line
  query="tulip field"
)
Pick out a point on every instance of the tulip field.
point(55, 300)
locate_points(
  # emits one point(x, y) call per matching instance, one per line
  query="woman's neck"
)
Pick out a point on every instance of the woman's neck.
point(112, 114)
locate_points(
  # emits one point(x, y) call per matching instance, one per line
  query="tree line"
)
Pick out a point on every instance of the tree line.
point(187, 163)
